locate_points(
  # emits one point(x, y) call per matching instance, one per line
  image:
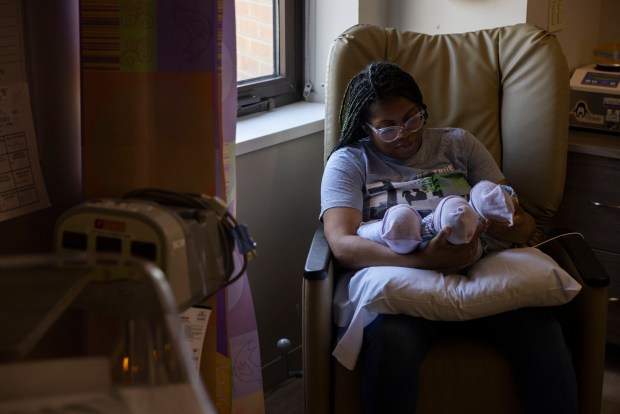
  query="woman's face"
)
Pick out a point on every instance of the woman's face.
point(395, 112)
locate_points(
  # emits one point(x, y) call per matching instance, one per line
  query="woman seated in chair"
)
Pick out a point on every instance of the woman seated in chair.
point(383, 147)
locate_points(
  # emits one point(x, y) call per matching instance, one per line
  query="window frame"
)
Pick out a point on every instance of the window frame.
point(261, 94)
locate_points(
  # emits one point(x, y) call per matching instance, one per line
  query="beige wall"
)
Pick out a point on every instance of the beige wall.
point(586, 23)
point(581, 31)
point(609, 28)
point(278, 198)
point(430, 16)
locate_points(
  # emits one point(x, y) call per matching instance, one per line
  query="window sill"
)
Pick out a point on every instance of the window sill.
point(262, 130)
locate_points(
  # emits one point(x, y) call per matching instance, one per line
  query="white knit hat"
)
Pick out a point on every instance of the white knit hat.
point(455, 211)
point(400, 229)
point(492, 202)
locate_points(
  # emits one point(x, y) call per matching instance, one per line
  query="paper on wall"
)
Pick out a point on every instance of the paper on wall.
point(22, 188)
point(194, 321)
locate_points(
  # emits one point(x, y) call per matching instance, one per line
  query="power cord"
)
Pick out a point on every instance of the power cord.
point(574, 233)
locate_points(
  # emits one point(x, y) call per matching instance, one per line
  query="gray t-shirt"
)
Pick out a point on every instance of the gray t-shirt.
point(449, 161)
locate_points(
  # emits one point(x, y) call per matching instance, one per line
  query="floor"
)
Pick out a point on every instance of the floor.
point(611, 385)
point(288, 397)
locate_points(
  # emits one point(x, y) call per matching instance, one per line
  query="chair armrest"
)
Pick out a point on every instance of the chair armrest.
point(572, 246)
point(319, 256)
point(585, 317)
point(317, 329)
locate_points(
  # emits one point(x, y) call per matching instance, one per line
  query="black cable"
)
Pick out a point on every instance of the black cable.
point(229, 230)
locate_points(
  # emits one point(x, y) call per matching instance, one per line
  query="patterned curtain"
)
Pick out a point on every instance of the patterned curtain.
point(159, 110)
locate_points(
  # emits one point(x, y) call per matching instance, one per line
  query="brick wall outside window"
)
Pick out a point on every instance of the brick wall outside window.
point(254, 21)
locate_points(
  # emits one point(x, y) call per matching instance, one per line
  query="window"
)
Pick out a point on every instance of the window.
point(269, 53)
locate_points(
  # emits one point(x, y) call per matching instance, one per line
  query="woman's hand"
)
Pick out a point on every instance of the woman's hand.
point(440, 254)
point(520, 232)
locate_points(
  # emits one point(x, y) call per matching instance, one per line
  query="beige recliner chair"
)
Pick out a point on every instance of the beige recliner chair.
point(509, 87)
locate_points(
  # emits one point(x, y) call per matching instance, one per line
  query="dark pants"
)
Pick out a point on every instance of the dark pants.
point(532, 339)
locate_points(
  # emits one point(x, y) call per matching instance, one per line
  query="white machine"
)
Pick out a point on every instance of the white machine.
point(595, 98)
point(96, 327)
point(191, 237)
point(74, 339)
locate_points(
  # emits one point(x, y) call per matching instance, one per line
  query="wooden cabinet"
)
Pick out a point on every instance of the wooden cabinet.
point(591, 206)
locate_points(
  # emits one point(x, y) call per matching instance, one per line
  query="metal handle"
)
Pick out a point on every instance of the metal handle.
point(613, 300)
point(599, 204)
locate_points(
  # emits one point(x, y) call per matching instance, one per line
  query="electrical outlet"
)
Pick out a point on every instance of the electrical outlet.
point(556, 15)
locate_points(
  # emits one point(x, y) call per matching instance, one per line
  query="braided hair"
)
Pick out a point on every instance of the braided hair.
point(377, 82)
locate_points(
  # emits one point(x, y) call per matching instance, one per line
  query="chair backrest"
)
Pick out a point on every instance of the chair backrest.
point(509, 86)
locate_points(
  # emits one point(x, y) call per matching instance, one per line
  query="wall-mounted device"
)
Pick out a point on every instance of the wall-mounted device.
point(595, 92)
point(595, 99)
point(191, 237)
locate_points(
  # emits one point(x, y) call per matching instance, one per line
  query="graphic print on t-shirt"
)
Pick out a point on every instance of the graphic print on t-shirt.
point(423, 192)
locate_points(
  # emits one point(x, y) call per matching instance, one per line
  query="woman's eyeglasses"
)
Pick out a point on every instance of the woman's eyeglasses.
point(391, 133)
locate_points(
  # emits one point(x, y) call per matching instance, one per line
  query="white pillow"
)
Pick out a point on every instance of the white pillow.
point(501, 281)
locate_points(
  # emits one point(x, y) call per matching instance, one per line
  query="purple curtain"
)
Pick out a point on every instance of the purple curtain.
point(158, 98)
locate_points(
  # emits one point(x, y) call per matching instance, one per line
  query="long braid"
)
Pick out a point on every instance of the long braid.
point(378, 82)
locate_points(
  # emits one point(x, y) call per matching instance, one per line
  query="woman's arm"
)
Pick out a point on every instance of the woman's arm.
point(352, 251)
